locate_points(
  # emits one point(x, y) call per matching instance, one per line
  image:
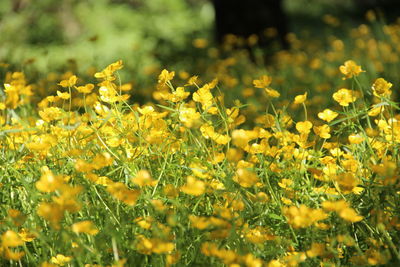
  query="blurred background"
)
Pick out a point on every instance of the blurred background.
point(46, 36)
point(145, 34)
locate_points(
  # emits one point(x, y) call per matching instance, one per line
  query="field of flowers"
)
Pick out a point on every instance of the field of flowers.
point(291, 164)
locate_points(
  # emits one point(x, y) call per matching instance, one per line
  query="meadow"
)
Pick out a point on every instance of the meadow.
point(290, 160)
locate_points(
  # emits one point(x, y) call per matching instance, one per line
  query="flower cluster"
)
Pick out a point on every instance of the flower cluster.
point(90, 178)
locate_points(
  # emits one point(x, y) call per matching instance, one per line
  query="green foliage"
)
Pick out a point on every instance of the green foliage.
point(98, 32)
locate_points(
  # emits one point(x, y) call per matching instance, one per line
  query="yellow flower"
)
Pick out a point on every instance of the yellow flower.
point(188, 116)
point(143, 178)
point(17, 217)
point(199, 222)
point(343, 209)
point(108, 72)
point(12, 96)
point(108, 94)
point(208, 132)
point(160, 247)
point(86, 227)
point(42, 143)
point(11, 255)
point(158, 205)
point(271, 92)
point(193, 186)
point(344, 97)
point(179, 94)
point(346, 181)
point(11, 239)
point(83, 166)
point(170, 191)
point(204, 96)
point(322, 131)
point(381, 87)
point(199, 171)
point(303, 216)
point(300, 98)
point(245, 178)
point(262, 197)
point(213, 83)
point(48, 181)
point(267, 120)
point(217, 158)
point(165, 76)
point(52, 212)
point(86, 89)
point(126, 87)
point(200, 43)
point(304, 127)
point(356, 139)
point(350, 215)
point(317, 249)
point(221, 139)
point(102, 160)
point(258, 235)
point(276, 263)
point(146, 110)
point(145, 222)
point(121, 192)
point(49, 114)
point(327, 115)
point(285, 183)
point(64, 95)
point(262, 82)
point(60, 259)
point(153, 245)
point(350, 69)
point(183, 75)
point(115, 66)
point(70, 82)
point(26, 236)
point(375, 111)
point(68, 199)
point(193, 80)
point(103, 180)
point(172, 258)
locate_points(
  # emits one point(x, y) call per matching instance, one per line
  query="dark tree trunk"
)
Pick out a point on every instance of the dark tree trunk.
point(244, 18)
point(390, 9)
